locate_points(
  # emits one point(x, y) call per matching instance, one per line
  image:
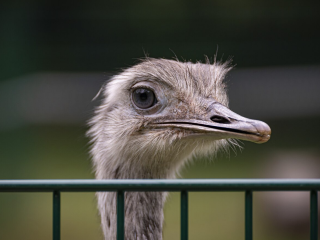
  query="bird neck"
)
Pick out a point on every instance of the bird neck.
point(143, 210)
point(143, 215)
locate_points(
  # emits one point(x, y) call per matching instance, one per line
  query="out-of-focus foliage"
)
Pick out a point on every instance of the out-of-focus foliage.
point(106, 35)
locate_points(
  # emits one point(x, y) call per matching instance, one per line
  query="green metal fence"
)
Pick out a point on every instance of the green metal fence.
point(183, 186)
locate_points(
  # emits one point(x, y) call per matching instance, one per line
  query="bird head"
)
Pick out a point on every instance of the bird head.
point(160, 112)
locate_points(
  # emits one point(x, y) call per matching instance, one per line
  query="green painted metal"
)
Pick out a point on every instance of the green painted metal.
point(120, 215)
point(184, 215)
point(56, 216)
point(160, 185)
point(248, 215)
point(313, 215)
point(184, 186)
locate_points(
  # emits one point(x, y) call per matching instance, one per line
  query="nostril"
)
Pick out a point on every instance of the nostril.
point(219, 119)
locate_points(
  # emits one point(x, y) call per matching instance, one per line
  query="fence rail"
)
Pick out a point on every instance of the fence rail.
point(183, 186)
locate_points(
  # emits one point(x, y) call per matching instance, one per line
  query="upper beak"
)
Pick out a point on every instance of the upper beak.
point(222, 123)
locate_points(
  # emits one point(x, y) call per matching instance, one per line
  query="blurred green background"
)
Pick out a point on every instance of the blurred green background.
point(55, 55)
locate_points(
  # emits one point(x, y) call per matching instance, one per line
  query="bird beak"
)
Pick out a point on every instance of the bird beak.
point(221, 123)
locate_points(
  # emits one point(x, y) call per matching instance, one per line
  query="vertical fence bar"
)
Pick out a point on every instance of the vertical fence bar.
point(184, 215)
point(56, 216)
point(313, 215)
point(248, 215)
point(120, 215)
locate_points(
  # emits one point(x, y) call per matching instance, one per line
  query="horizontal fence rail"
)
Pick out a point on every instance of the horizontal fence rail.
point(160, 185)
point(183, 186)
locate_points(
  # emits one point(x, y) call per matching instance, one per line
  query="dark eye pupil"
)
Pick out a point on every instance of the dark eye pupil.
point(143, 98)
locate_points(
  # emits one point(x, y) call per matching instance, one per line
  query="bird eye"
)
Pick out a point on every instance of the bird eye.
point(143, 98)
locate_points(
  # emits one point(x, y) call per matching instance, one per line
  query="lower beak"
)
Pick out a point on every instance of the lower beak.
point(222, 123)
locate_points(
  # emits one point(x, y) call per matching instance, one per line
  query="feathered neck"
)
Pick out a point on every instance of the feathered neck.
point(143, 210)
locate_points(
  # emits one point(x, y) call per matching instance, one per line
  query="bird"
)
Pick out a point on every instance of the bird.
point(153, 118)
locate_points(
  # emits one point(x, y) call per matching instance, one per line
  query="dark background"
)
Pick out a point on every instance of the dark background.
point(55, 55)
point(108, 35)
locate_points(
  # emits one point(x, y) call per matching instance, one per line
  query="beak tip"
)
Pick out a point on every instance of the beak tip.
point(264, 131)
point(263, 139)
